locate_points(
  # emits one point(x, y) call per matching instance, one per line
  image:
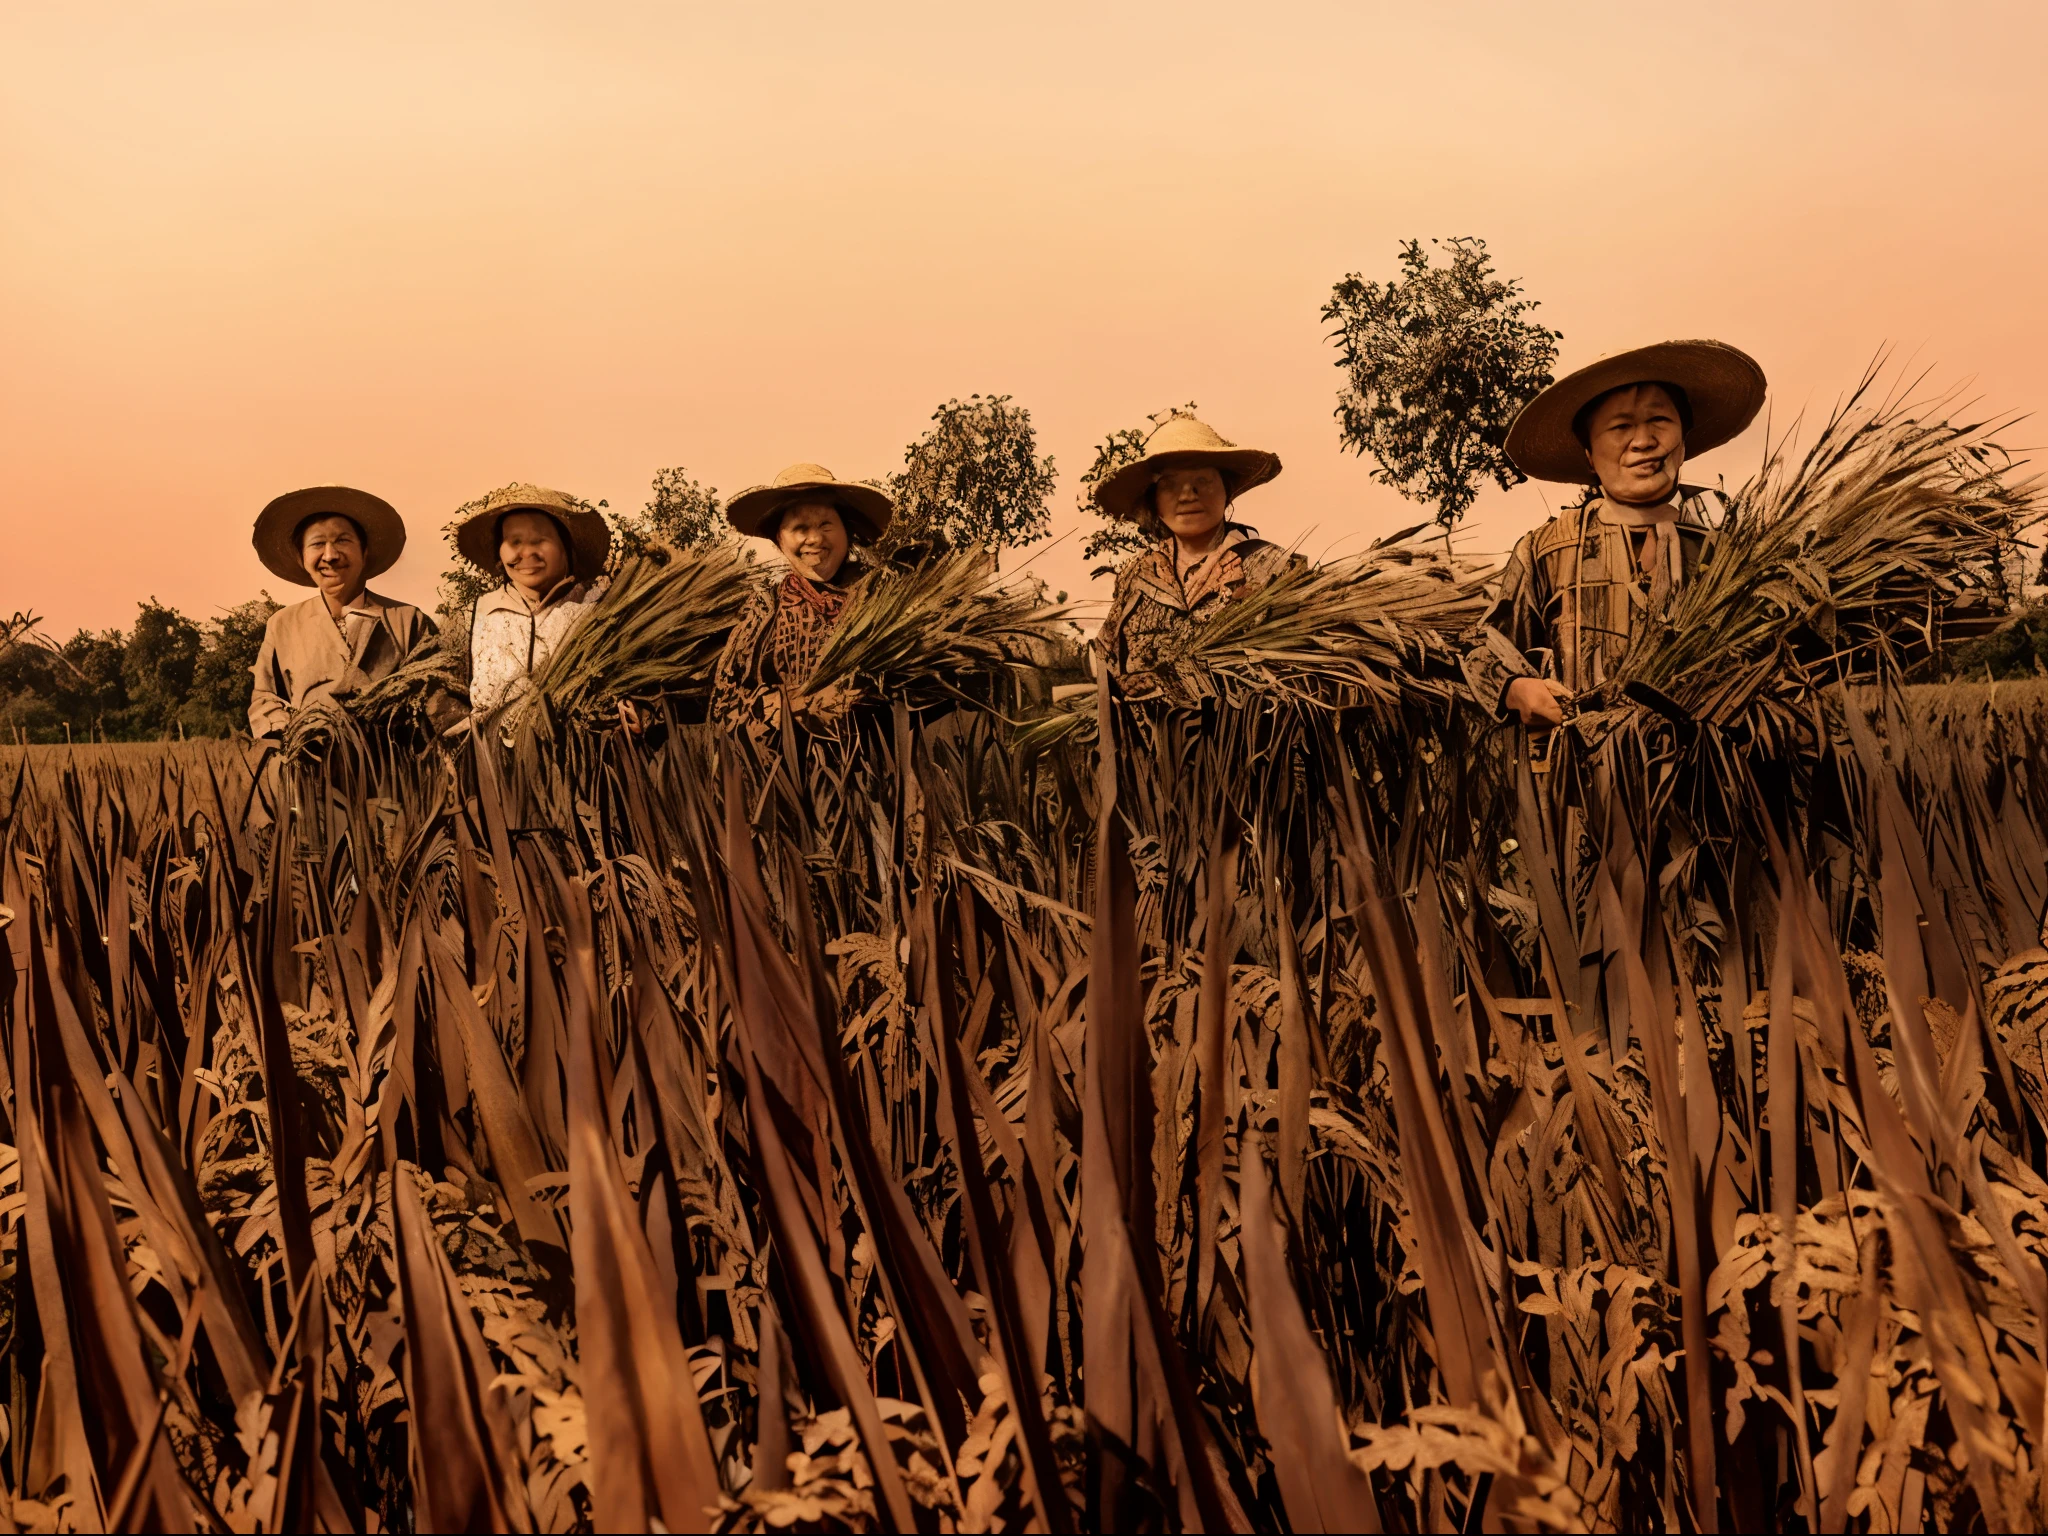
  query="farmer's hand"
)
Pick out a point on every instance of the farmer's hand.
point(629, 719)
point(1538, 700)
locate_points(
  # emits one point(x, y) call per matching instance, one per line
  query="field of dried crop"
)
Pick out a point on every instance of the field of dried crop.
point(983, 1115)
point(1261, 1118)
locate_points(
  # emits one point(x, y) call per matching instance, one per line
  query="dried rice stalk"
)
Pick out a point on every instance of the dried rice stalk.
point(657, 632)
point(910, 634)
point(1370, 630)
point(1883, 540)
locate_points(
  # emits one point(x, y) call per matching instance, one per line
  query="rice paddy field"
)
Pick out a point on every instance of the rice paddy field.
point(1315, 1110)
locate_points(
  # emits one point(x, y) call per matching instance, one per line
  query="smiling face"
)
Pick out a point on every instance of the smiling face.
point(334, 555)
point(530, 547)
point(1190, 503)
point(813, 539)
point(1635, 441)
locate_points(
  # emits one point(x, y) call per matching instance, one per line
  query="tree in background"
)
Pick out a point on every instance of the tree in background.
point(157, 663)
point(1118, 538)
point(679, 513)
point(974, 479)
point(166, 676)
point(1437, 362)
point(218, 703)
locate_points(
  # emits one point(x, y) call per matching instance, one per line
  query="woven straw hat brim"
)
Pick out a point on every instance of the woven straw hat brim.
point(1118, 495)
point(1724, 386)
point(590, 536)
point(751, 509)
point(277, 525)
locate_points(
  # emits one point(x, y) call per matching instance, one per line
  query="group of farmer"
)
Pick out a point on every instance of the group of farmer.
point(1563, 610)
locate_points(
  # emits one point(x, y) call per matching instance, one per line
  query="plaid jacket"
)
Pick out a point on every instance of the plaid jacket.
point(1567, 602)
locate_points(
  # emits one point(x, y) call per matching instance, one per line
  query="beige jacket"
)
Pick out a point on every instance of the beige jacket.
point(306, 657)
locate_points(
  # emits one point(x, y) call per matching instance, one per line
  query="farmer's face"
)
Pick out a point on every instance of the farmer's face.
point(333, 554)
point(812, 538)
point(1191, 503)
point(530, 545)
point(1636, 443)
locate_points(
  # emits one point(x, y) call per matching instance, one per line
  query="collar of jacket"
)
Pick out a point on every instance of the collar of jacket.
point(365, 601)
point(1159, 574)
point(1686, 506)
point(507, 599)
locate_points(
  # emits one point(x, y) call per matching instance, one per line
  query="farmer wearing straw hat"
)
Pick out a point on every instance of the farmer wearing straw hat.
point(1570, 596)
point(551, 550)
point(343, 638)
point(1181, 490)
point(817, 522)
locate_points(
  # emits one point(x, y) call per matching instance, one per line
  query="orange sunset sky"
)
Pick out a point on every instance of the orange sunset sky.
point(431, 248)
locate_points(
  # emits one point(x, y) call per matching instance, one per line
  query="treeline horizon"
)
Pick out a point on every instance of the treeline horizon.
point(1420, 398)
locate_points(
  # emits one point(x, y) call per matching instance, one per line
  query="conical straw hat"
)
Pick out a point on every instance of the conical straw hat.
point(276, 535)
point(1179, 443)
point(1723, 386)
point(872, 509)
point(590, 536)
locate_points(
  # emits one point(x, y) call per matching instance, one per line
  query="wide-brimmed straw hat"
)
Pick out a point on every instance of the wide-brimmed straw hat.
point(590, 537)
point(277, 529)
point(1723, 386)
point(1181, 443)
point(751, 509)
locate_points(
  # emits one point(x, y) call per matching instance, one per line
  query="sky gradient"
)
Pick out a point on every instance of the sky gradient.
point(431, 249)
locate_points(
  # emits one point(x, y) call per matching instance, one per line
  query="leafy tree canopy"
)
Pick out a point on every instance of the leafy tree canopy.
point(218, 704)
point(158, 661)
point(680, 513)
point(168, 675)
point(1437, 362)
point(974, 479)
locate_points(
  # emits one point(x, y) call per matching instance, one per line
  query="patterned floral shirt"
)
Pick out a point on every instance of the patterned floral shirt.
point(1159, 609)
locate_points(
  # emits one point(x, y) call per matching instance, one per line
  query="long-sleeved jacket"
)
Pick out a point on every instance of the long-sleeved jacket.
point(1567, 601)
point(1158, 609)
point(306, 657)
point(773, 646)
point(509, 640)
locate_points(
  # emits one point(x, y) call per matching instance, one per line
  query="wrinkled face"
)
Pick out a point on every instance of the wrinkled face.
point(531, 548)
point(813, 539)
point(332, 552)
point(1636, 443)
point(1190, 502)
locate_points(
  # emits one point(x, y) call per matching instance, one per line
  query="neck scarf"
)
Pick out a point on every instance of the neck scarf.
point(805, 615)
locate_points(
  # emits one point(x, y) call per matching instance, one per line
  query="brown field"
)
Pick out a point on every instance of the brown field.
point(1268, 1119)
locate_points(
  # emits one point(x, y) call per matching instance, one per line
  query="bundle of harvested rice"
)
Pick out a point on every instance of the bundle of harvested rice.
point(916, 633)
point(656, 633)
point(1371, 630)
point(1880, 544)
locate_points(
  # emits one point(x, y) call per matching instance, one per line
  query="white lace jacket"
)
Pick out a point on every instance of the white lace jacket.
point(509, 641)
